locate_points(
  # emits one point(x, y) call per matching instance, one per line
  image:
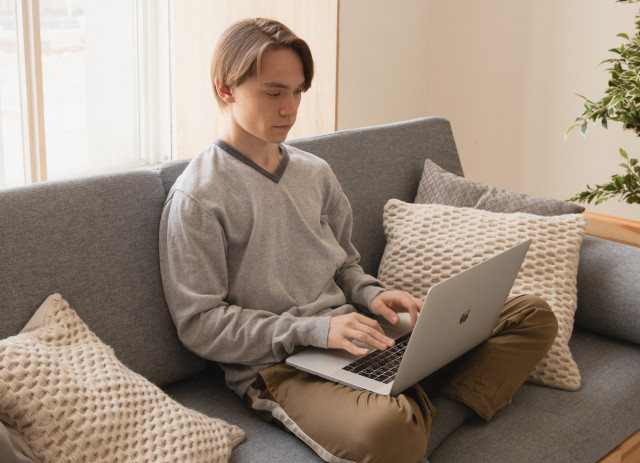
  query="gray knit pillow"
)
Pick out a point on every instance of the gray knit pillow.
point(438, 186)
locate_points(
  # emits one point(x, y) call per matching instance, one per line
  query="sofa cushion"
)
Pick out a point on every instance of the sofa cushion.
point(608, 291)
point(427, 243)
point(265, 442)
point(550, 425)
point(95, 240)
point(69, 396)
point(442, 187)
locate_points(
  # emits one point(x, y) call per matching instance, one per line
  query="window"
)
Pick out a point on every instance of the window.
point(84, 87)
point(92, 85)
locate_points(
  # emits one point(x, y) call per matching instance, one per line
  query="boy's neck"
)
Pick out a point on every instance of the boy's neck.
point(265, 155)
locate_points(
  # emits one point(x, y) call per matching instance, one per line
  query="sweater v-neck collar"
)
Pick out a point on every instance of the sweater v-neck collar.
point(274, 177)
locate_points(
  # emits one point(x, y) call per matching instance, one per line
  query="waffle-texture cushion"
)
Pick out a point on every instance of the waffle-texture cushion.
point(72, 400)
point(427, 243)
point(439, 186)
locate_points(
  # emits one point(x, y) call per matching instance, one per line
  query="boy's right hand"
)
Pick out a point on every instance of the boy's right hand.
point(344, 329)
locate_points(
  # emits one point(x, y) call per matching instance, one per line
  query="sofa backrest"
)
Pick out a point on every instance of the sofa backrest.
point(609, 289)
point(94, 241)
point(375, 164)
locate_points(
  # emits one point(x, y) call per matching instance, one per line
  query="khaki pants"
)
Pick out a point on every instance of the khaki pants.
point(346, 425)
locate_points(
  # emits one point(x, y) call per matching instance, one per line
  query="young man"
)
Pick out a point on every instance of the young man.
point(257, 261)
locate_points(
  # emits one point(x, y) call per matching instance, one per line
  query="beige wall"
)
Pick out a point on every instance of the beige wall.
point(507, 73)
point(382, 64)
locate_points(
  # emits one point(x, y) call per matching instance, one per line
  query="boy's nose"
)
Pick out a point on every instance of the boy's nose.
point(289, 106)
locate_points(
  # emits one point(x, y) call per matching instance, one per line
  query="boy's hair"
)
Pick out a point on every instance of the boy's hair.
point(239, 52)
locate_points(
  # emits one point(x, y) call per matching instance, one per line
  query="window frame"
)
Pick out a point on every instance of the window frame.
point(155, 141)
point(31, 90)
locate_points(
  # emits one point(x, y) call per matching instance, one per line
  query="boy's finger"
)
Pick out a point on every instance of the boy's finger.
point(373, 338)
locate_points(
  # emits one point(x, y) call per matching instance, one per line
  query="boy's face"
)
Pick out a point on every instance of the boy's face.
point(263, 108)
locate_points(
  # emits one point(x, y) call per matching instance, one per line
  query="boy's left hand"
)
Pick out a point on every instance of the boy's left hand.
point(389, 303)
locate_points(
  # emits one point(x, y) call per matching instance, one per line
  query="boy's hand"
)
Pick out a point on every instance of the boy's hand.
point(344, 329)
point(389, 303)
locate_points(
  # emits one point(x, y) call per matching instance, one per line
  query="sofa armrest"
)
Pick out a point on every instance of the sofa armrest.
point(609, 289)
point(613, 228)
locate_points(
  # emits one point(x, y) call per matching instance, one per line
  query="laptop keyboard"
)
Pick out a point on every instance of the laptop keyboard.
point(381, 365)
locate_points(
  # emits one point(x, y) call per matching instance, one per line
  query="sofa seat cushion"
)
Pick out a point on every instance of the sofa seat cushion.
point(264, 442)
point(544, 424)
point(69, 397)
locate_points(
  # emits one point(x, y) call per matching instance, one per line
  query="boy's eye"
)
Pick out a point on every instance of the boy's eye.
point(273, 95)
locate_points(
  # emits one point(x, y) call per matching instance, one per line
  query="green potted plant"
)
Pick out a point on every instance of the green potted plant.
point(621, 103)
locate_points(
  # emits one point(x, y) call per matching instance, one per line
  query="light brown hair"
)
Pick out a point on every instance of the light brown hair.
point(239, 52)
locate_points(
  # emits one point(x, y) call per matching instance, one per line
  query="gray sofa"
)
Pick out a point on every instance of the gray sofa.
point(95, 241)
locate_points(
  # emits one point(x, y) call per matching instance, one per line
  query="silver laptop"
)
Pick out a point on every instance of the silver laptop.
point(458, 314)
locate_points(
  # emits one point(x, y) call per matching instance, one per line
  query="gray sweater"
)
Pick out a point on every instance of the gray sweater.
point(254, 264)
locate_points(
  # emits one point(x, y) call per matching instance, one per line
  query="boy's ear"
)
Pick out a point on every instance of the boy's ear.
point(224, 92)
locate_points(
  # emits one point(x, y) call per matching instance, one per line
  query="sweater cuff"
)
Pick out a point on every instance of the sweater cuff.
point(369, 293)
point(319, 332)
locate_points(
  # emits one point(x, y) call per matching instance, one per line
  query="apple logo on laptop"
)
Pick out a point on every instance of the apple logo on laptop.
point(464, 316)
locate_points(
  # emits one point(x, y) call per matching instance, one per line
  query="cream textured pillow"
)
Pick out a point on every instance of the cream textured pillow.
point(427, 243)
point(68, 394)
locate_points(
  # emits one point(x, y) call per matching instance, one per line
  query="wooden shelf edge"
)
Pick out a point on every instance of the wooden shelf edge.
point(611, 228)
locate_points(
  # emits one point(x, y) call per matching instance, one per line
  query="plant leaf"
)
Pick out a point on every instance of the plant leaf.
point(566, 134)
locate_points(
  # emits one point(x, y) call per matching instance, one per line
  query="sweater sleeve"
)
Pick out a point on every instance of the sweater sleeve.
point(358, 287)
point(195, 281)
